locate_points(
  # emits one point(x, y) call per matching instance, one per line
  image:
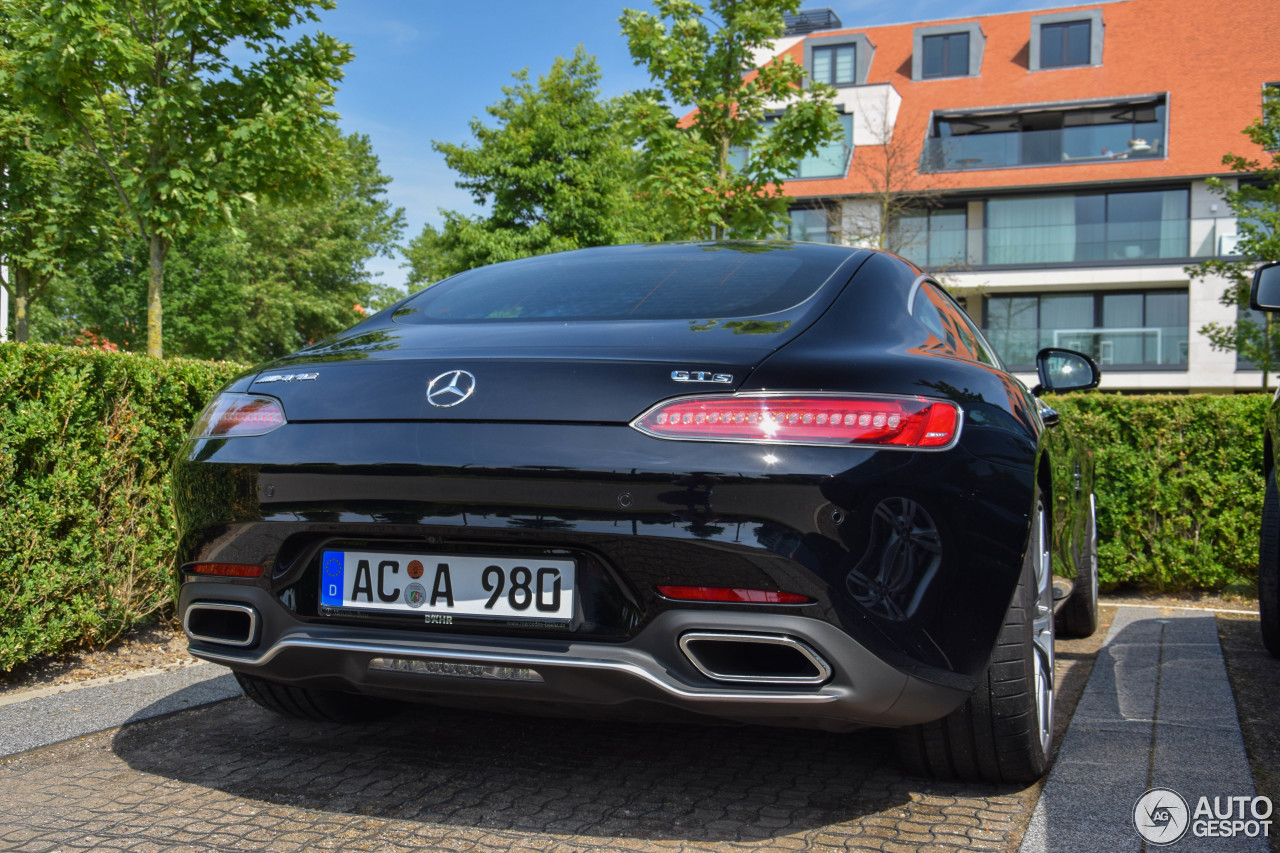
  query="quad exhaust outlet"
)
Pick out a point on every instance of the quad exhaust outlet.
point(221, 623)
point(754, 658)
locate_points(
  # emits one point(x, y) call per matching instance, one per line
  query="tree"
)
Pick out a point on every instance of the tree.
point(721, 169)
point(556, 171)
point(288, 274)
point(893, 192)
point(54, 207)
point(1255, 202)
point(183, 133)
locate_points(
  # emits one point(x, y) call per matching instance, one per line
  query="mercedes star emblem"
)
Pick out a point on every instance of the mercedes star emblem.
point(450, 389)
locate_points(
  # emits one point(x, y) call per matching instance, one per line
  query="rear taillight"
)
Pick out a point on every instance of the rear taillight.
point(227, 570)
point(830, 419)
point(231, 415)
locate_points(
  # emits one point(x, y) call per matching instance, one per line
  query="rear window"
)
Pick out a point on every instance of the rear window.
point(630, 283)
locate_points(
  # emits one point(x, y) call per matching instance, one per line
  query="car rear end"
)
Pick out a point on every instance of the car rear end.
point(514, 494)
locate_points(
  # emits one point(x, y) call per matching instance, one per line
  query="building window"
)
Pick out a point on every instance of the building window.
point(946, 55)
point(1066, 40)
point(810, 224)
point(932, 238)
point(1040, 135)
point(830, 161)
point(835, 65)
point(1121, 330)
point(1063, 45)
point(947, 50)
point(1085, 228)
point(1270, 95)
point(838, 60)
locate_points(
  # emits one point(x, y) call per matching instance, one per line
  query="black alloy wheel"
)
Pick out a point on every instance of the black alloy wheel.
point(1269, 568)
point(1079, 616)
point(1004, 732)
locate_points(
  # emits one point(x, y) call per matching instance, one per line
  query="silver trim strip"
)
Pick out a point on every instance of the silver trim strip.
point(526, 660)
point(824, 670)
point(214, 605)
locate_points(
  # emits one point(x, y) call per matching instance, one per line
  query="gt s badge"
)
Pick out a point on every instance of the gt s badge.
point(701, 376)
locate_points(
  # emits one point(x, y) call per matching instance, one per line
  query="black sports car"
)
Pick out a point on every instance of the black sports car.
point(761, 482)
point(1265, 296)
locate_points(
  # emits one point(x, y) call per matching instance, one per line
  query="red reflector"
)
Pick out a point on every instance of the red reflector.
point(724, 593)
point(831, 419)
point(226, 570)
point(232, 415)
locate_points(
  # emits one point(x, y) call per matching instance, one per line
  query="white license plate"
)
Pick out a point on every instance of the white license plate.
point(505, 587)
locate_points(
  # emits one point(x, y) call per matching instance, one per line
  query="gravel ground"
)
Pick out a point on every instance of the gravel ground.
point(146, 647)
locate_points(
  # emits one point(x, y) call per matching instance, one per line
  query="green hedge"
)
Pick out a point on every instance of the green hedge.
point(1179, 486)
point(87, 439)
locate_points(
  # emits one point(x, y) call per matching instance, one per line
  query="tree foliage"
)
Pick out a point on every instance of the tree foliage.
point(54, 205)
point(288, 274)
point(1255, 202)
point(185, 134)
point(720, 171)
point(556, 171)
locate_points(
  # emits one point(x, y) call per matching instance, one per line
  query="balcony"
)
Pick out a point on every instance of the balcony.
point(1031, 136)
point(1149, 239)
point(1148, 348)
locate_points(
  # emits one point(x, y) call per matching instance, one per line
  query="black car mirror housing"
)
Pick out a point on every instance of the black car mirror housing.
point(1264, 295)
point(1062, 370)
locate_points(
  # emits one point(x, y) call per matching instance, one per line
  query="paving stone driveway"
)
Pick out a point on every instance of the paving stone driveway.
point(231, 776)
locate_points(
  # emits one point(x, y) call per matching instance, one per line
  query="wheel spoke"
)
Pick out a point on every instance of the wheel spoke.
point(1042, 630)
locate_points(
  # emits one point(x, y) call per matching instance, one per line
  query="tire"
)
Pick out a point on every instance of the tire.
point(1079, 616)
point(304, 703)
point(1004, 732)
point(1269, 568)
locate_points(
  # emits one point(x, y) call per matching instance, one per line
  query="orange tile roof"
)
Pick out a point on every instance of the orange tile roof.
point(1211, 56)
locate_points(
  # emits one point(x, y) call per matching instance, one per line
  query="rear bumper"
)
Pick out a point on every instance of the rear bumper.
point(638, 512)
point(647, 677)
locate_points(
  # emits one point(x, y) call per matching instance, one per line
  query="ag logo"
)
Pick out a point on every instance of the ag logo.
point(1161, 816)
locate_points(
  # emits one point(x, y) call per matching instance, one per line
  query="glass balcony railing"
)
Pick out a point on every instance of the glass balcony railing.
point(1152, 240)
point(1148, 347)
point(1071, 243)
point(1098, 143)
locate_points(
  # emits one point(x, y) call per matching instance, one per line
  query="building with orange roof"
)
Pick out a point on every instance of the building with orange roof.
point(1056, 163)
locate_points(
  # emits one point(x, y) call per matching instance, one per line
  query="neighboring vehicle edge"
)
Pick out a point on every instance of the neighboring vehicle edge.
point(1264, 295)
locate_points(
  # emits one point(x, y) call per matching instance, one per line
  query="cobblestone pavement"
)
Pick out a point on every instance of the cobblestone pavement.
point(231, 776)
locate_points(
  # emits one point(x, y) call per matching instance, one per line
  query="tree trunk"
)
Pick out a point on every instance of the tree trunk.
point(159, 247)
point(21, 304)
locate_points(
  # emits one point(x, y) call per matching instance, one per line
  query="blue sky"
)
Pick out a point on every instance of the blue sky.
point(424, 68)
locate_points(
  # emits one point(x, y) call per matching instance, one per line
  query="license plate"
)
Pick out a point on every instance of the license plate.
point(436, 585)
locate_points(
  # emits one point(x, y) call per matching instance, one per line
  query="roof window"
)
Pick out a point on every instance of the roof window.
point(1066, 39)
point(947, 50)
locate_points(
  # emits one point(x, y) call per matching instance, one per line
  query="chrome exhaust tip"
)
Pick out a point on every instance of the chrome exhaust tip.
point(754, 658)
point(221, 624)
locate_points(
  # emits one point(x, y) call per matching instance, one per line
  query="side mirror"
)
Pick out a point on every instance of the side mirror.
point(1065, 370)
point(1265, 293)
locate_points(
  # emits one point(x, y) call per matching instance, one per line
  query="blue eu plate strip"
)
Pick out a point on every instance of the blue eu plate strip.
point(331, 579)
